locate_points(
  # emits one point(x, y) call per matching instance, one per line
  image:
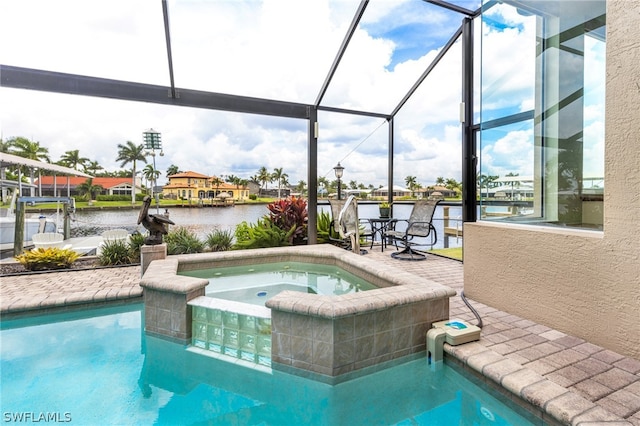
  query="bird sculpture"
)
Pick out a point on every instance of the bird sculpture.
point(156, 224)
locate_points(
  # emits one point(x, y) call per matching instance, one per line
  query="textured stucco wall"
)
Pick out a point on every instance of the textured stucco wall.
point(583, 283)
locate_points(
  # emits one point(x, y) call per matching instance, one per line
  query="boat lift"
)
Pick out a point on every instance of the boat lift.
point(67, 208)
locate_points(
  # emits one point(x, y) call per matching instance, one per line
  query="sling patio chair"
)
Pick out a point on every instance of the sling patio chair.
point(349, 229)
point(418, 227)
point(334, 228)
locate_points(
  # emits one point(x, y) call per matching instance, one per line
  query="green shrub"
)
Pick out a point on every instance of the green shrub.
point(180, 240)
point(219, 240)
point(115, 252)
point(261, 235)
point(253, 197)
point(323, 226)
point(113, 198)
point(136, 240)
point(47, 258)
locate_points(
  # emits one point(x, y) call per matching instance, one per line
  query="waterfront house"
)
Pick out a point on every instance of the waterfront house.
point(428, 191)
point(198, 188)
point(398, 191)
point(61, 186)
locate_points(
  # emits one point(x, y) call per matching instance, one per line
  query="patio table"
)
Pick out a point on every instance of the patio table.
point(378, 227)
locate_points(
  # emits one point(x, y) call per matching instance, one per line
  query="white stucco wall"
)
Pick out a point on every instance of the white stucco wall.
point(584, 283)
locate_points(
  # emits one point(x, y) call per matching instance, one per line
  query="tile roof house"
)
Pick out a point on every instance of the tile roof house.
point(63, 185)
point(196, 186)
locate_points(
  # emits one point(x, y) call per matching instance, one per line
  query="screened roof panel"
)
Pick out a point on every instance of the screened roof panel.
point(122, 40)
point(279, 50)
point(392, 47)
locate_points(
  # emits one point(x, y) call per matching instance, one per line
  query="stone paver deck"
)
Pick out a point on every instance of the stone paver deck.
point(562, 378)
point(41, 292)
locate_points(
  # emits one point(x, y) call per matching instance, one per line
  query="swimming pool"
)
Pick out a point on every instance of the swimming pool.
point(98, 367)
point(258, 283)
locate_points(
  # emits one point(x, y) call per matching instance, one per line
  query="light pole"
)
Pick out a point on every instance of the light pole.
point(153, 142)
point(339, 170)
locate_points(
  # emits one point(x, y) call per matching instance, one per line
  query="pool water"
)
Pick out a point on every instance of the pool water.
point(258, 283)
point(98, 367)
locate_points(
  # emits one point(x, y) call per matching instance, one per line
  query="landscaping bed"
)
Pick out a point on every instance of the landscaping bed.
point(83, 263)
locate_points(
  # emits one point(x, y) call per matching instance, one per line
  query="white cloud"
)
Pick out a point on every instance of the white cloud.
point(512, 153)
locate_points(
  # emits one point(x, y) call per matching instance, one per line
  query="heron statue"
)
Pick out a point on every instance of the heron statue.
point(156, 224)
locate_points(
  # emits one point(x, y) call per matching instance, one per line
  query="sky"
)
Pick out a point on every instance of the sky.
point(274, 49)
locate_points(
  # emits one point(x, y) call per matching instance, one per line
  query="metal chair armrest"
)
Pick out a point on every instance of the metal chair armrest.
point(412, 224)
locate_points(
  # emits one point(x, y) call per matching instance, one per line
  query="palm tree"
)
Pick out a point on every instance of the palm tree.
point(4, 146)
point(323, 182)
point(486, 181)
point(411, 183)
point(301, 187)
point(279, 177)
point(216, 181)
point(453, 185)
point(72, 159)
point(88, 188)
point(440, 181)
point(284, 182)
point(25, 148)
point(264, 177)
point(131, 153)
point(172, 170)
point(151, 174)
point(92, 167)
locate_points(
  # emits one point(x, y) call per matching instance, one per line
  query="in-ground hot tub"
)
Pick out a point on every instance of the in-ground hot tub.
point(329, 335)
point(258, 283)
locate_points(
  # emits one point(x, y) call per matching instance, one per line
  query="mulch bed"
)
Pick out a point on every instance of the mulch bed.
point(15, 268)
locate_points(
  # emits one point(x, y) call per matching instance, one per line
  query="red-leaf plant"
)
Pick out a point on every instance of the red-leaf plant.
point(288, 214)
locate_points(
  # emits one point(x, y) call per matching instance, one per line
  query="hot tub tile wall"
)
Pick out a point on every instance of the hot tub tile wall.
point(336, 346)
point(168, 314)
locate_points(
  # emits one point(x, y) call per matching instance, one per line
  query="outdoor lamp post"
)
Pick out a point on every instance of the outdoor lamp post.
point(338, 170)
point(153, 142)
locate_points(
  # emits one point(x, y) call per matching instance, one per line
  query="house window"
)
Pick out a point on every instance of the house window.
point(542, 112)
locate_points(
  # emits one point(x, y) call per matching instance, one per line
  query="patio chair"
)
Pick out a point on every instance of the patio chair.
point(115, 235)
point(48, 240)
point(334, 228)
point(349, 228)
point(111, 236)
point(419, 226)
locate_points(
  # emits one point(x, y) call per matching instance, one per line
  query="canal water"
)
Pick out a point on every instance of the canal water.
point(204, 220)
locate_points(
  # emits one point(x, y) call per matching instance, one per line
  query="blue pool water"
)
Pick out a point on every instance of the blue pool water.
point(97, 367)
